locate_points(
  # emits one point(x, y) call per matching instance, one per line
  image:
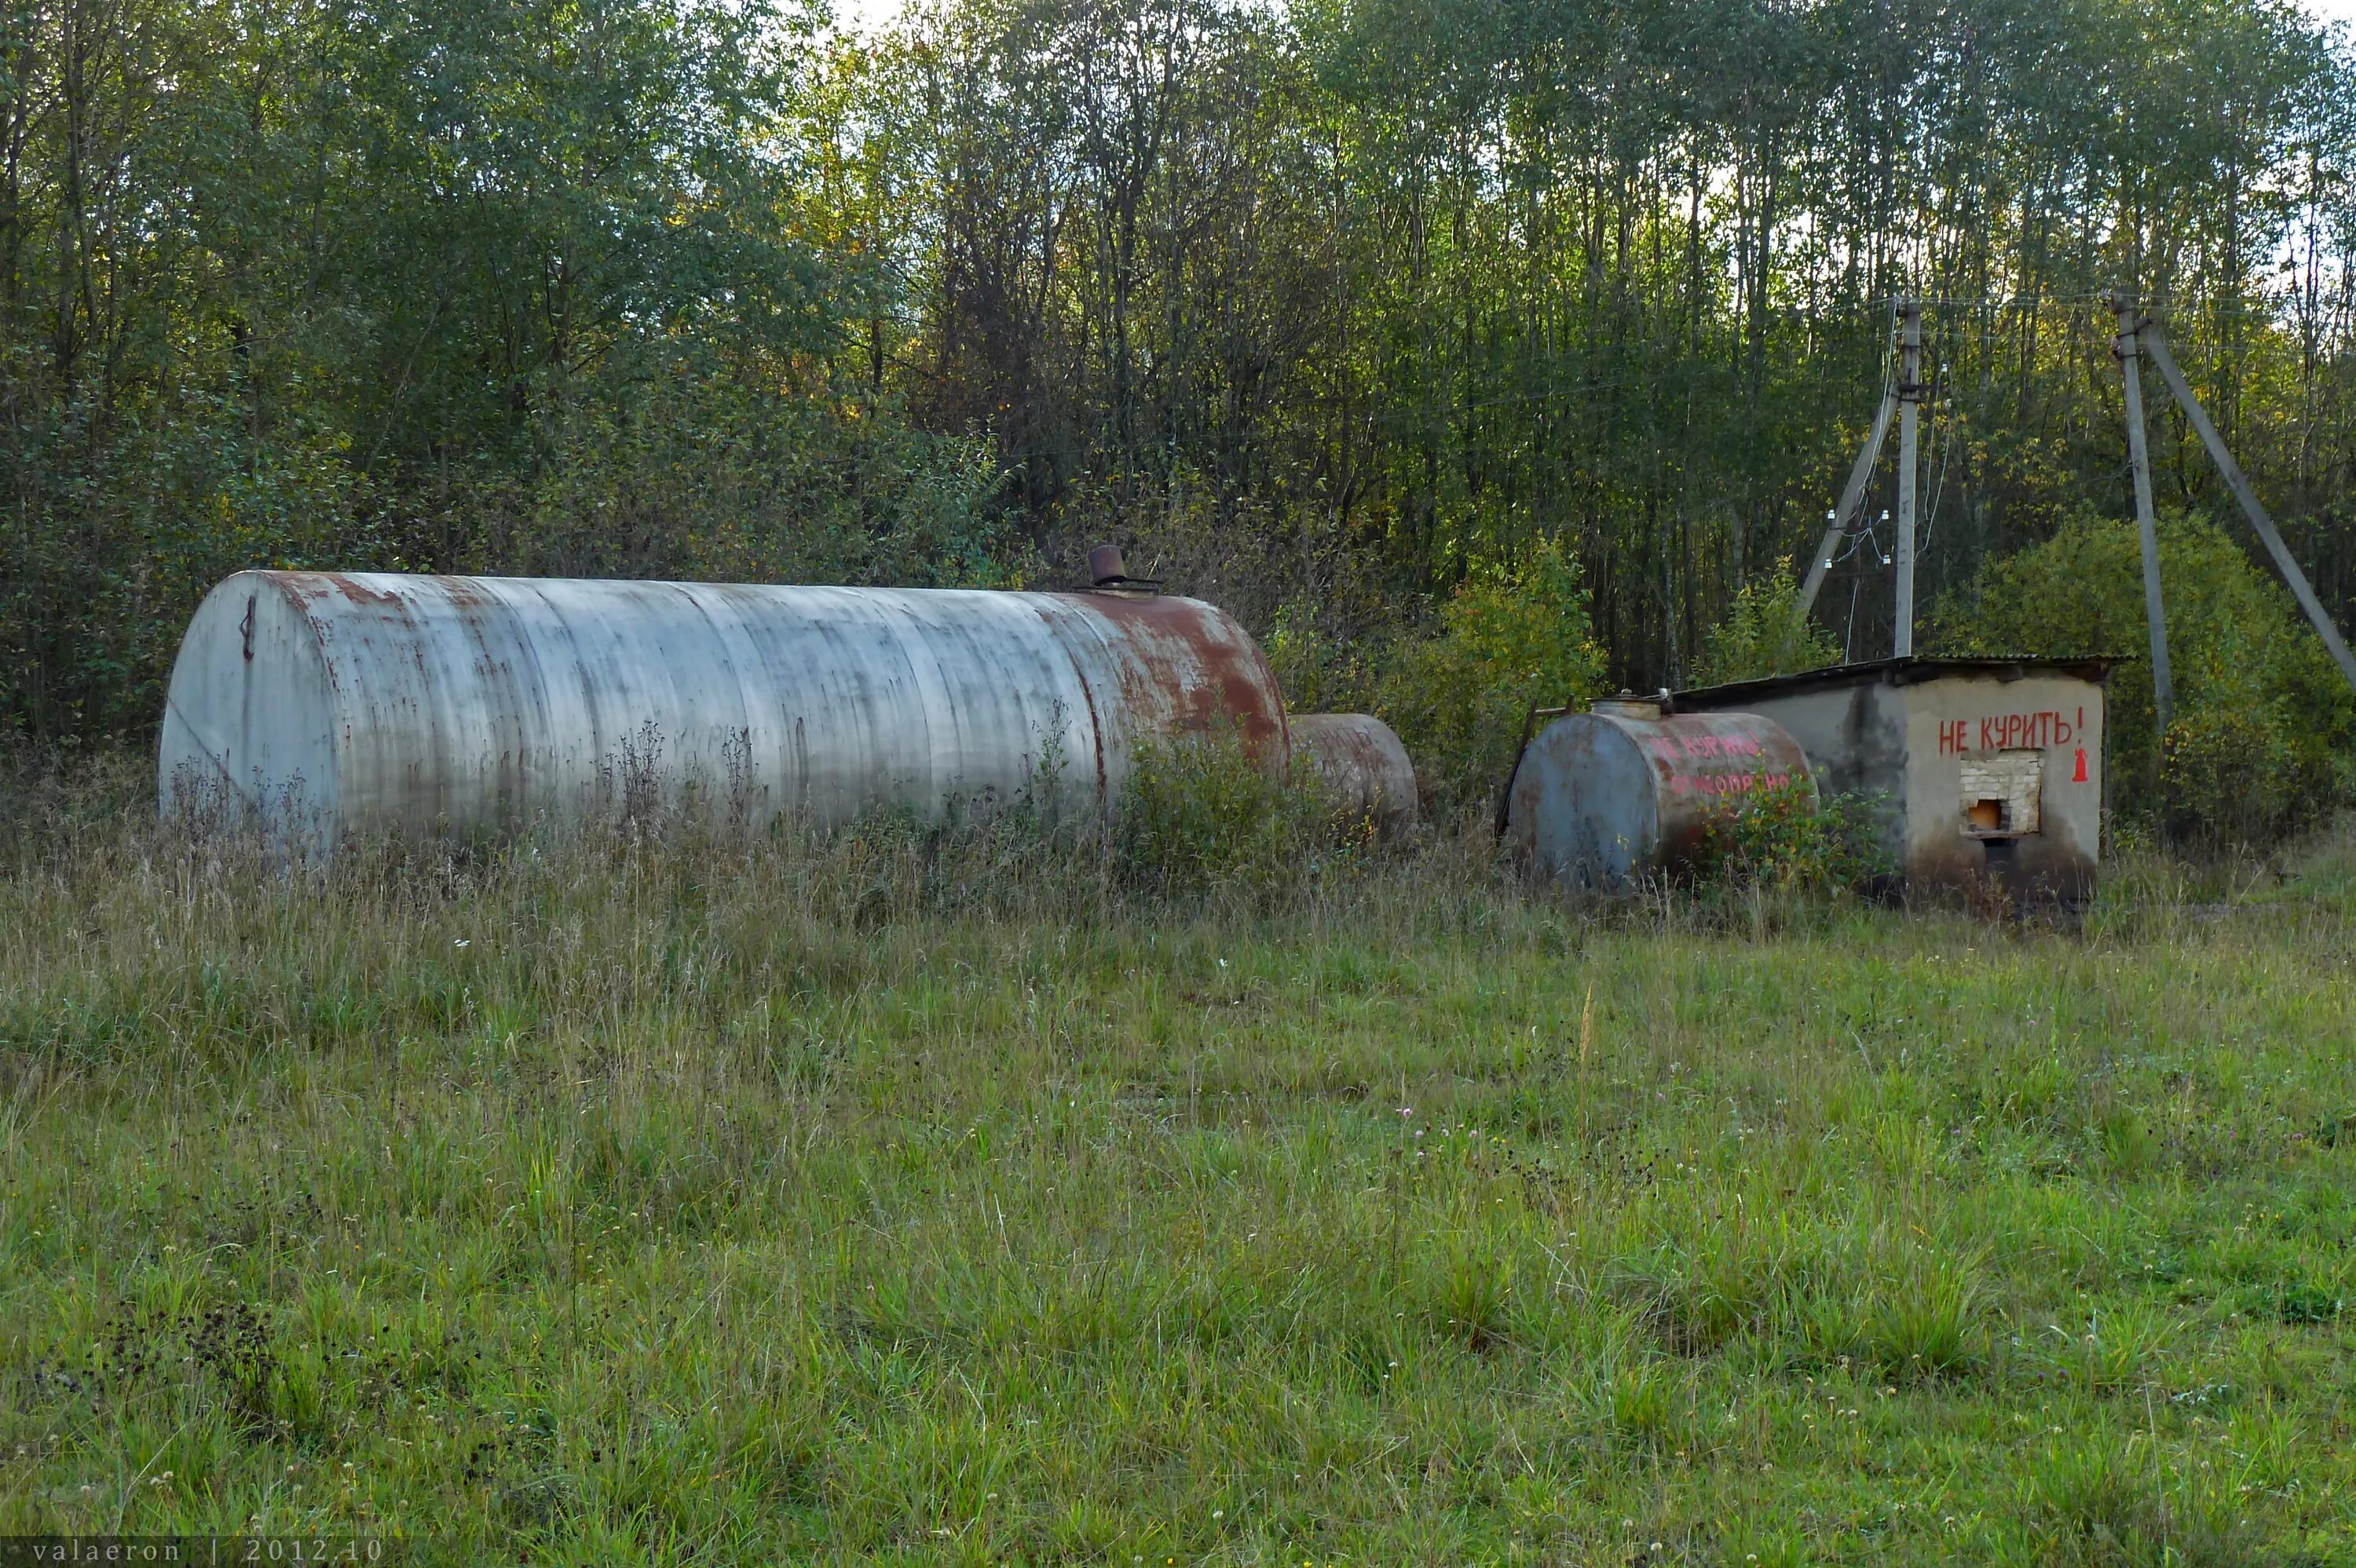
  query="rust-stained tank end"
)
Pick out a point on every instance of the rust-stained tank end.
point(1361, 761)
point(1194, 665)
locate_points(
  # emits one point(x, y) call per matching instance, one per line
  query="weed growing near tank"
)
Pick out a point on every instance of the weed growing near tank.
point(920, 1197)
point(1785, 835)
point(1204, 817)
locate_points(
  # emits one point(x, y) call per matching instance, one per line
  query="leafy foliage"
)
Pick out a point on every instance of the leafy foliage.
point(1786, 837)
point(425, 285)
point(2262, 717)
point(1766, 631)
point(1317, 672)
point(1459, 695)
point(1206, 815)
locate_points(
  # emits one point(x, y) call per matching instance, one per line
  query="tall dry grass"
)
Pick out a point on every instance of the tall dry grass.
point(645, 1194)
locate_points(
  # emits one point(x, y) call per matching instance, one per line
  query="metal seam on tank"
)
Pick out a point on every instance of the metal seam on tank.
point(913, 638)
point(345, 740)
point(476, 622)
point(862, 705)
point(948, 646)
point(749, 703)
point(411, 606)
point(957, 636)
point(1087, 695)
point(1127, 646)
point(1096, 628)
point(776, 762)
point(670, 700)
point(362, 598)
point(339, 726)
point(538, 721)
point(562, 625)
point(684, 592)
point(212, 750)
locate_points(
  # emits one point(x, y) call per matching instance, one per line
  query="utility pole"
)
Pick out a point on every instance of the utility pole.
point(2155, 613)
point(1910, 397)
point(2238, 483)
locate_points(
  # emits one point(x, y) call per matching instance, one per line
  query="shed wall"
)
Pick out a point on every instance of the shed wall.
point(2056, 719)
point(1902, 745)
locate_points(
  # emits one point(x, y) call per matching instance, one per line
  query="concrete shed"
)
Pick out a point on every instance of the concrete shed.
point(1980, 771)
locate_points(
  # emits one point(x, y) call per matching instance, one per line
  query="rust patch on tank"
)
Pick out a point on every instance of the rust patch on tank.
point(1095, 735)
point(1707, 762)
point(1194, 668)
point(352, 589)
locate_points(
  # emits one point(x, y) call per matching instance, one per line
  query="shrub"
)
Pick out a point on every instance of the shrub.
point(1785, 835)
point(2262, 720)
point(1459, 696)
point(1205, 814)
point(1317, 672)
point(1766, 632)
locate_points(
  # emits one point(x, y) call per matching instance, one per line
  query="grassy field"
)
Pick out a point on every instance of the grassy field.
point(660, 1202)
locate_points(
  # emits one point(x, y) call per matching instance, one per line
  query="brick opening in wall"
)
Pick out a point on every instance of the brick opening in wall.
point(2001, 793)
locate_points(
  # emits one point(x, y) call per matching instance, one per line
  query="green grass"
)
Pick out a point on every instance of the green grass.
point(887, 1201)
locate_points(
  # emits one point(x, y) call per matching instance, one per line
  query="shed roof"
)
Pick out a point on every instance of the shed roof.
point(2096, 667)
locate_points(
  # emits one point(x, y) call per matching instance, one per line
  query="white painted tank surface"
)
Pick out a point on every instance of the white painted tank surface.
point(354, 702)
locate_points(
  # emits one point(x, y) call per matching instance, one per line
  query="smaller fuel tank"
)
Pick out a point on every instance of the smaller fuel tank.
point(1623, 792)
point(1359, 759)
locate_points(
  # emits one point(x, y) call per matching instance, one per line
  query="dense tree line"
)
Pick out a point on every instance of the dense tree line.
point(1327, 310)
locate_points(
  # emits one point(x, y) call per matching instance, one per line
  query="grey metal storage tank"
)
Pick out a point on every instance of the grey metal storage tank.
point(1360, 759)
point(334, 702)
point(1606, 797)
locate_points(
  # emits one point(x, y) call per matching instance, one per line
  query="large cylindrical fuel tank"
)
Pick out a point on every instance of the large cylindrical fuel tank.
point(1362, 764)
point(1623, 792)
point(371, 701)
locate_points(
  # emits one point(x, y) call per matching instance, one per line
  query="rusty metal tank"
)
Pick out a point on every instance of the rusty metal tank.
point(335, 702)
point(1610, 797)
point(1360, 760)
